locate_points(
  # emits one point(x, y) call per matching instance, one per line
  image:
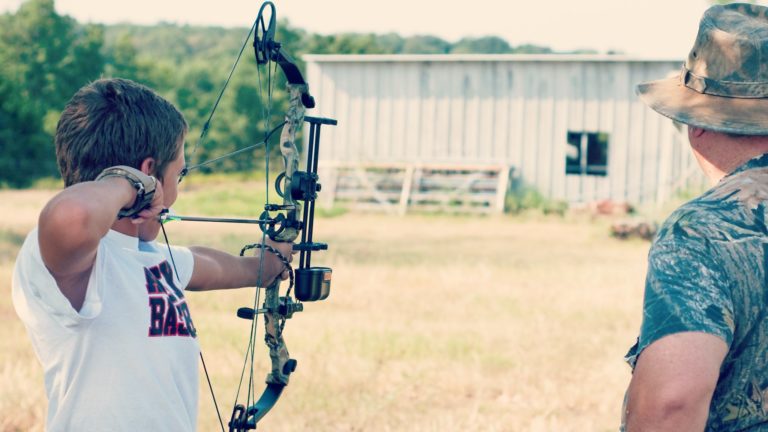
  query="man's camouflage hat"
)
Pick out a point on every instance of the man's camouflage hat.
point(724, 83)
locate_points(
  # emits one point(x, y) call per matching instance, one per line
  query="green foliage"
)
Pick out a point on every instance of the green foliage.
point(390, 43)
point(45, 58)
point(425, 45)
point(521, 197)
point(121, 61)
point(348, 43)
point(536, 49)
point(55, 54)
point(483, 45)
point(22, 141)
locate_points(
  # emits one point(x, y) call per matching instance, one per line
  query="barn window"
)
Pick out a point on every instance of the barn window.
point(587, 153)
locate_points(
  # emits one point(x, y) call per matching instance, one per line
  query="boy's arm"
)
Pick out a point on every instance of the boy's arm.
point(71, 226)
point(218, 270)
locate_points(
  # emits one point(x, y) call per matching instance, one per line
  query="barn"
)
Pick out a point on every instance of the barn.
point(458, 130)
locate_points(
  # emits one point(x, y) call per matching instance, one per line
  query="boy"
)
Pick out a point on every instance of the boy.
point(103, 304)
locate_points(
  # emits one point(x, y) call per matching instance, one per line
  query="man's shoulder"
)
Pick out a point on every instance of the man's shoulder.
point(730, 207)
point(718, 227)
point(696, 219)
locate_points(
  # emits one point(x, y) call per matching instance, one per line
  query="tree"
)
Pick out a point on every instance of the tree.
point(56, 55)
point(425, 45)
point(483, 45)
point(45, 59)
point(533, 49)
point(23, 144)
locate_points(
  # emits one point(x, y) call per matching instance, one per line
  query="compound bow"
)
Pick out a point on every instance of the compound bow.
point(294, 187)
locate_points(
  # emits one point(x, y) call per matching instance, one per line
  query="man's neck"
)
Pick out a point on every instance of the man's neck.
point(720, 154)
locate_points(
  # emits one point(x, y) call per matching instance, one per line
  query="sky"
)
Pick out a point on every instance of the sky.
point(644, 28)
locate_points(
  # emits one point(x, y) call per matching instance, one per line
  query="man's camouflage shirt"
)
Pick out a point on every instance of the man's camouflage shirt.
point(707, 273)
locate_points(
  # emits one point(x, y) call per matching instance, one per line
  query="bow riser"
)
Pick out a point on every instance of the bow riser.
point(294, 118)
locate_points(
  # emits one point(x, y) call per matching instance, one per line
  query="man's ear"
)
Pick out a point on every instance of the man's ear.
point(148, 166)
point(695, 132)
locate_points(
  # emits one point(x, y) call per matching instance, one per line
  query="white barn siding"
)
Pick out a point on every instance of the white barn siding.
point(513, 110)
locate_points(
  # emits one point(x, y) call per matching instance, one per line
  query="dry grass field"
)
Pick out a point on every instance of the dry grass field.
point(434, 323)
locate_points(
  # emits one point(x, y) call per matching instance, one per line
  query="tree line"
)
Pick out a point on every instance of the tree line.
point(45, 57)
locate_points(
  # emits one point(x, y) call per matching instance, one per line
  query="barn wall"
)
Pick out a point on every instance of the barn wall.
point(512, 110)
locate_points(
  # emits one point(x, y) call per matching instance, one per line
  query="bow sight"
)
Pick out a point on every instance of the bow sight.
point(311, 283)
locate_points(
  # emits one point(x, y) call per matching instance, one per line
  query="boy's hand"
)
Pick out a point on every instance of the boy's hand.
point(286, 250)
point(152, 212)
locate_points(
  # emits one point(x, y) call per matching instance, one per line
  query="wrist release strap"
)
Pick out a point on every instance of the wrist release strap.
point(144, 184)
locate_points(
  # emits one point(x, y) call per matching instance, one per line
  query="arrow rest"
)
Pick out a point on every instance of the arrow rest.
point(277, 224)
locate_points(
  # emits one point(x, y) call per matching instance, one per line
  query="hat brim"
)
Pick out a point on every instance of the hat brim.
point(672, 99)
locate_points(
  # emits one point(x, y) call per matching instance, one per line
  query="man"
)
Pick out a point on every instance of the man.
point(103, 304)
point(701, 360)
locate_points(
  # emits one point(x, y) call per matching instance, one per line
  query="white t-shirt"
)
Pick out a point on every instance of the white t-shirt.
point(127, 361)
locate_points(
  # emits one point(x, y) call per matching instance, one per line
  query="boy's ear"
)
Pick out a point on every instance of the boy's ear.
point(148, 166)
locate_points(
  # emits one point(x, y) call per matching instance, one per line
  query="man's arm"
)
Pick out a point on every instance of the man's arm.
point(75, 220)
point(673, 382)
point(218, 270)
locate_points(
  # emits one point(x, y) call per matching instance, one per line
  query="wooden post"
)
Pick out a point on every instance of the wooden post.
point(405, 193)
point(501, 189)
